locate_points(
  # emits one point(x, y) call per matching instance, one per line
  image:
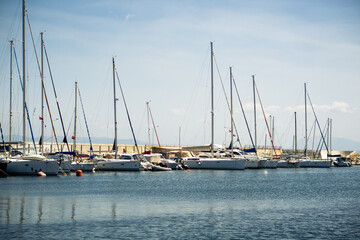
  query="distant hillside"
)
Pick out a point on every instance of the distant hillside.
point(340, 144)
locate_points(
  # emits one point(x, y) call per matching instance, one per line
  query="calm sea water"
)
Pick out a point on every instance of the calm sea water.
point(250, 204)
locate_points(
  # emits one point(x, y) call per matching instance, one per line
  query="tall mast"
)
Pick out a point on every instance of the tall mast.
point(11, 75)
point(75, 119)
point(306, 139)
point(253, 77)
point(179, 137)
point(115, 122)
point(231, 112)
point(273, 134)
point(42, 94)
point(148, 119)
point(212, 101)
point(330, 136)
point(24, 76)
point(295, 140)
point(328, 132)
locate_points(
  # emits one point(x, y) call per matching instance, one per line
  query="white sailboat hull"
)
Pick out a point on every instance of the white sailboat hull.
point(118, 165)
point(267, 163)
point(215, 164)
point(252, 164)
point(82, 166)
point(32, 167)
point(288, 164)
point(65, 166)
point(315, 163)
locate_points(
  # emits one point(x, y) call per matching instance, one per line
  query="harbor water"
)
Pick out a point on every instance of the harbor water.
point(251, 204)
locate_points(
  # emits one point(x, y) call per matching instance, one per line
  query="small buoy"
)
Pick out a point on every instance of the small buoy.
point(78, 173)
point(41, 174)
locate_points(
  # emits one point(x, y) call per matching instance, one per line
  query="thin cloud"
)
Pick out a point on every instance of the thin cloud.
point(177, 111)
point(335, 106)
point(128, 17)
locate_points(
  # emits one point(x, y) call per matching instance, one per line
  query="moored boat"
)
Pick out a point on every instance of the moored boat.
point(315, 163)
point(126, 162)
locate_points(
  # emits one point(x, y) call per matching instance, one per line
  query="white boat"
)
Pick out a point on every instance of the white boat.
point(31, 165)
point(252, 164)
point(342, 164)
point(315, 163)
point(292, 163)
point(215, 163)
point(126, 162)
point(158, 158)
point(83, 166)
point(252, 161)
point(155, 167)
point(268, 163)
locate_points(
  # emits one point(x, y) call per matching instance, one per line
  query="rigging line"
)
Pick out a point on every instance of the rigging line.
point(87, 127)
point(68, 130)
point(42, 82)
point(127, 112)
point(228, 104)
point(26, 108)
point(152, 119)
point(322, 135)
point(57, 102)
point(242, 109)
point(312, 131)
point(2, 136)
point(320, 144)
point(267, 125)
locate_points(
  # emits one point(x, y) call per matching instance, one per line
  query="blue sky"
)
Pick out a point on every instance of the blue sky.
point(162, 52)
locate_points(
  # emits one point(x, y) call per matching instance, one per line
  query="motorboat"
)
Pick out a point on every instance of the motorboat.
point(159, 159)
point(125, 162)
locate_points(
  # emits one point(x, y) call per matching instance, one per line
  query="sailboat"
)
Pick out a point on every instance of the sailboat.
point(291, 161)
point(76, 164)
point(214, 163)
point(126, 162)
point(307, 162)
point(29, 164)
point(263, 162)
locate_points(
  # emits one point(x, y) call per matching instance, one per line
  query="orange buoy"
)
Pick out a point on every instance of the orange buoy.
point(41, 174)
point(79, 173)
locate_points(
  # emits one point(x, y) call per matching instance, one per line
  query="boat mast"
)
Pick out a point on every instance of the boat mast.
point(148, 119)
point(330, 136)
point(115, 122)
point(253, 77)
point(11, 75)
point(75, 119)
point(295, 140)
point(24, 75)
point(273, 132)
point(212, 101)
point(179, 137)
point(231, 112)
point(306, 139)
point(42, 94)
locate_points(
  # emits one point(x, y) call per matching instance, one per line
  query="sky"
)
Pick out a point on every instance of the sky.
point(162, 55)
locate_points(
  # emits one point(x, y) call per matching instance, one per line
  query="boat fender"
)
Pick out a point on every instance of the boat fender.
point(41, 174)
point(78, 173)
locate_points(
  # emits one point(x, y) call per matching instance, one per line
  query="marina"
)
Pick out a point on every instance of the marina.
point(195, 120)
